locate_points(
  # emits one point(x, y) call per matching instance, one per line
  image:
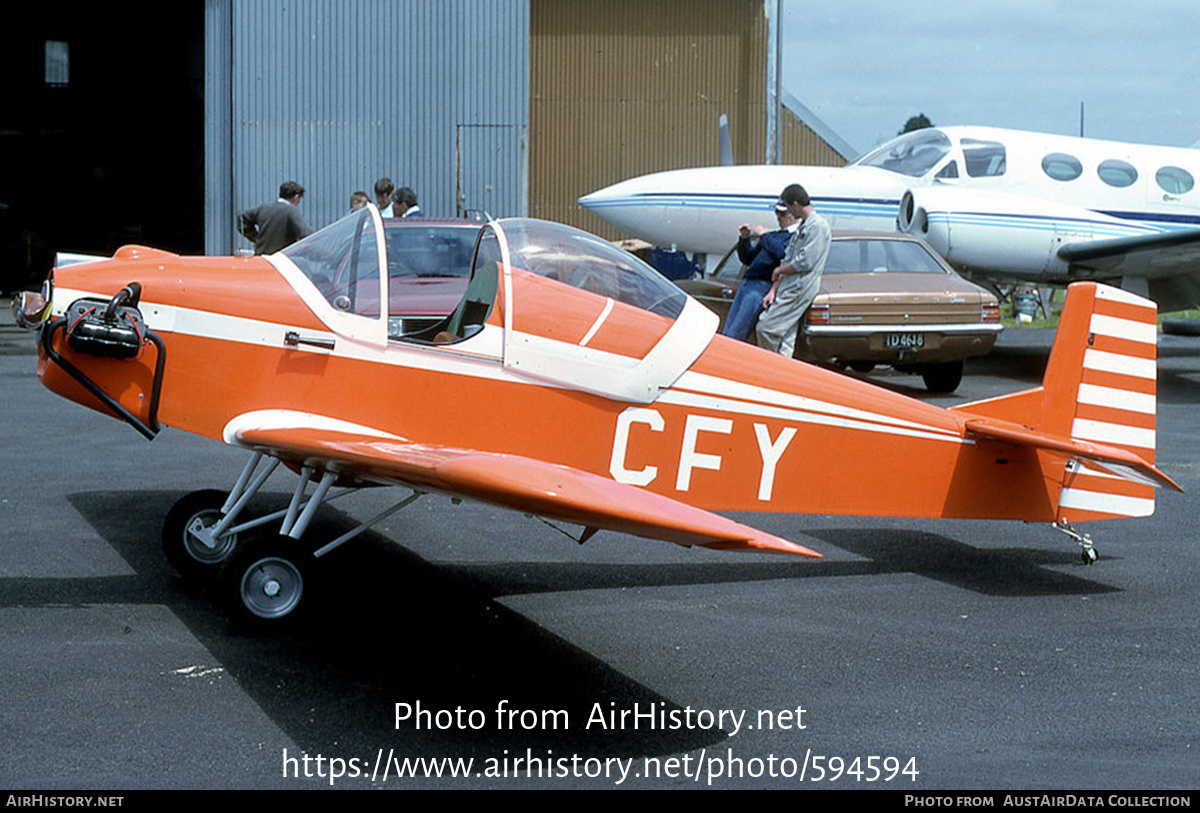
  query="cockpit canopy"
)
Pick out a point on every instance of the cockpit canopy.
point(573, 307)
point(429, 264)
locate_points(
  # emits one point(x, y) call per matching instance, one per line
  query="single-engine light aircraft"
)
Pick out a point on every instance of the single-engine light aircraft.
point(1001, 206)
point(565, 379)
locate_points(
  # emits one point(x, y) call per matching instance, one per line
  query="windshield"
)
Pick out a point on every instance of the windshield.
point(911, 154)
point(342, 261)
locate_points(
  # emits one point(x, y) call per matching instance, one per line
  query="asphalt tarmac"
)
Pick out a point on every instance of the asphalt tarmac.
point(918, 655)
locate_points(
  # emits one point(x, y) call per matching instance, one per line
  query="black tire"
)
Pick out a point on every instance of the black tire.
point(264, 585)
point(183, 549)
point(1181, 327)
point(944, 377)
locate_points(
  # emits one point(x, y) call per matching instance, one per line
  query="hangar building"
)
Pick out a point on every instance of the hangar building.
point(131, 123)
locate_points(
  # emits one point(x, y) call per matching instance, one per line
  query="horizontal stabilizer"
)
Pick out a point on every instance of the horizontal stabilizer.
point(521, 483)
point(1118, 462)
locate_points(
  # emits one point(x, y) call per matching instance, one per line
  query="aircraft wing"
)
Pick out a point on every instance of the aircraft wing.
point(1159, 255)
point(521, 483)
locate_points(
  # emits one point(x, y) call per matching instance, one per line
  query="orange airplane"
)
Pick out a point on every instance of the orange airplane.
point(534, 366)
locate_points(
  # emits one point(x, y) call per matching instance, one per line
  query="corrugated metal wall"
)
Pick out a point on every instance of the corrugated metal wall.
point(802, 146)
point(336, 93)
point(633, 86)
point(626, 87)
point(512, 106)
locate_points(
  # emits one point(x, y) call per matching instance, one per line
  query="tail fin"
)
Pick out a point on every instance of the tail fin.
point(1096, 406)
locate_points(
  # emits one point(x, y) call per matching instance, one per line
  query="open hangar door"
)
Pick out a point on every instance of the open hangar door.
point(102, 135)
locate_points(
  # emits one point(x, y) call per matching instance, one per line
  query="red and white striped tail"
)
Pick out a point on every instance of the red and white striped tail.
point(1113, 401)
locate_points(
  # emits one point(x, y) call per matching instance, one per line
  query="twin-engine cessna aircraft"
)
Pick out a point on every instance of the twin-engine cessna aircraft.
point(534, 366)
point(999, 205)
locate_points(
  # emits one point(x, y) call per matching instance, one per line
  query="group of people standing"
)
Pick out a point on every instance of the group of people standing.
point(277, 224)
point(783, 273)
point(392, 202)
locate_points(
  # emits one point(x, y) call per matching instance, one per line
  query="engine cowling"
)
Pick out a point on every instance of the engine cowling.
point(993, 234)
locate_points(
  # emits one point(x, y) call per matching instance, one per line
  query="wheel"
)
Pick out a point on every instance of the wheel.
point(1089, 556)
point(944, 377)
point(1181, 327)
point(862, 366)
point(183, 535)
point(264, 583)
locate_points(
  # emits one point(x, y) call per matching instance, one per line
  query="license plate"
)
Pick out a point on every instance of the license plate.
point(903, 341)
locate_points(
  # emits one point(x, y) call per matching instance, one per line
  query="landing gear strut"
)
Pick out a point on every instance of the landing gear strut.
point(1087, 551)
point(188, 540)
point(263, 580)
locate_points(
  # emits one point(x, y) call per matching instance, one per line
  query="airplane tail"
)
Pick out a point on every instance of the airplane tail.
point(1095, 408)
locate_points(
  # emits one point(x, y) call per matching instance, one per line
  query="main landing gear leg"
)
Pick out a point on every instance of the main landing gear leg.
point(1088, 552)
point(199, 533)
point(263, 581)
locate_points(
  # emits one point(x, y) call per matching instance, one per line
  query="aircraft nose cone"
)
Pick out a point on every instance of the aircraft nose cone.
point(603, 198)
point(622, 205)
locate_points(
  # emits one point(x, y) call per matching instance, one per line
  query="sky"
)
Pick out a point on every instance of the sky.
point(865, 66)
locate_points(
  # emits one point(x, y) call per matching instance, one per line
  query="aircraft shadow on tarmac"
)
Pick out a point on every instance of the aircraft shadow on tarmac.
point(994, 572)
point(391, 627)
point(387, 627)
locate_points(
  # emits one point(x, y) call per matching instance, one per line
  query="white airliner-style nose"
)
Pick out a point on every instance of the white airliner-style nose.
point(701, 209)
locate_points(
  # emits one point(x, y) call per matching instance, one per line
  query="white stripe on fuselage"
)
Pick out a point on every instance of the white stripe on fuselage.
point(479, 357)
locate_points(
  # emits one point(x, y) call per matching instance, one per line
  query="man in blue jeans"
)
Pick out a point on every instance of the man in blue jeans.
point(760, 257)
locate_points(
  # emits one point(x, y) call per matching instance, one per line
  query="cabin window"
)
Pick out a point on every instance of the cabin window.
point(1062, 167)
point(984, 159)
point(58, 63)
point(1175, 180)
point(1117, 173)
point(948, 171)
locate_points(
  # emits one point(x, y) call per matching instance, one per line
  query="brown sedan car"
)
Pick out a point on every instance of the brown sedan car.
point(885, 299)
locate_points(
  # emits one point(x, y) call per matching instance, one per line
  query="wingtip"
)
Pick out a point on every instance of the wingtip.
point(767, 544)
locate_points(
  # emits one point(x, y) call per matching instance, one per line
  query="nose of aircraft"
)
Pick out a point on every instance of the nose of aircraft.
point(621, 204)
point(647, 207)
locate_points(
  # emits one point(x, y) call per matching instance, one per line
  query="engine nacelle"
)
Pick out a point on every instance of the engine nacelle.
point(998, 234)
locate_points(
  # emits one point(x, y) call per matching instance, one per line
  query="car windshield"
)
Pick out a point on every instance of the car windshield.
point(856, 256)
point(911, 154)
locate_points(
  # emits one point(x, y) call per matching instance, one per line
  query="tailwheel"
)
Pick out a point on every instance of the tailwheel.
point(265, 583)
point(187, 537)
point(1087, 550)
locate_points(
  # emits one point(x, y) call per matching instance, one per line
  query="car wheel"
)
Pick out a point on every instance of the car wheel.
point(944, 377)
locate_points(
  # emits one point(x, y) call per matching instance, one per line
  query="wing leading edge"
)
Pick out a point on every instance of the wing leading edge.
point(520, 483)
point(1167, 261)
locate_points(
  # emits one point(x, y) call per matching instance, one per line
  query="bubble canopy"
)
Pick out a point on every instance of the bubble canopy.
point(584, 261)
point(574, 308)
